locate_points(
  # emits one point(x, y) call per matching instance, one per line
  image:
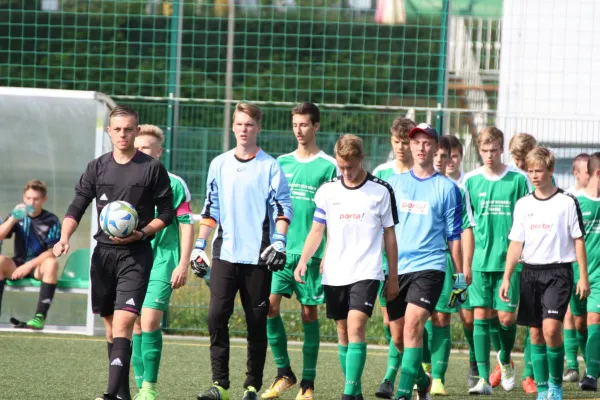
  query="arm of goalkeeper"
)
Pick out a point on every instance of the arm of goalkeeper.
point(274, 255)
point(459, 291)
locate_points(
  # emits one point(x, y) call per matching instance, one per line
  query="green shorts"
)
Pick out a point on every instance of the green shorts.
point(484, 291)
point(593, 300)
point(578, 306)
point(442, 304)
point(158, 295)
point(382, 300)
point(309, 293)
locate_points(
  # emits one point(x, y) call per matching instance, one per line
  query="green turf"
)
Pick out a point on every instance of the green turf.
point(42, 366)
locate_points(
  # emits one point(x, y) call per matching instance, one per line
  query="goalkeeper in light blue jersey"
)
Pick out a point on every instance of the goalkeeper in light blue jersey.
point(430, 222)
point(248, 202)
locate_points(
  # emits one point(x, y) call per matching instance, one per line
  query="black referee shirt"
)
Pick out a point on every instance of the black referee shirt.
point(143, 182)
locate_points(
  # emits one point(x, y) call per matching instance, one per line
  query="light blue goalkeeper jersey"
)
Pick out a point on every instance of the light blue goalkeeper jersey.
point(245, 198)
point(430, 214)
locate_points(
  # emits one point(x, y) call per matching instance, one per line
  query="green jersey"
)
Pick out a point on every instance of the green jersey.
point(590, 211)
point(165, 244)
point(493, 200)
point(304, 178)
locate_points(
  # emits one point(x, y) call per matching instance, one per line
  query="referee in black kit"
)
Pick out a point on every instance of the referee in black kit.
point(121, 267)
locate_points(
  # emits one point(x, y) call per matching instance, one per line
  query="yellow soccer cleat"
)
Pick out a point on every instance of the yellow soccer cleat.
point(280, 385)
point(437, 388)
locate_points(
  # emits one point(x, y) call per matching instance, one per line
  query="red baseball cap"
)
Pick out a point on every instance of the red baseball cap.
point(423, 128)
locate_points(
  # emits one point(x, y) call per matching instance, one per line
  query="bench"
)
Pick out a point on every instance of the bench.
point(74, 279)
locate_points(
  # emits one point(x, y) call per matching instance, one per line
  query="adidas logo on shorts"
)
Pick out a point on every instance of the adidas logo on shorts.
point(117, 362)
point(130, 302)
point(103, 197)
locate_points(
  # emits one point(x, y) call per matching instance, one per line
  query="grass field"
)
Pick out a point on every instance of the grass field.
point(43, 366)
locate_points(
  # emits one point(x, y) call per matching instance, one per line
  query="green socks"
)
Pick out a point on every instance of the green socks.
point(469, 337)
point(355, 363)
point(310, 350)
point(278, 341)
point(136, 360)
point(495, 334)
point(539, 361)
point(527, 367)
point(593, 351)
point(571, 348)
point(582, 340)
point(151, 354)
point(394, 359)
point(481, 339)
point(411, 368)
point(556, 356)
point(507, 335)
point(342, 354)
point(440, 352)
point(427, 337)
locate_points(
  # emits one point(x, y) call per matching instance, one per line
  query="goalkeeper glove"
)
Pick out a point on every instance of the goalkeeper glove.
point(21, 211)
point(199, 261)
point(459, 291)
point(274, 255)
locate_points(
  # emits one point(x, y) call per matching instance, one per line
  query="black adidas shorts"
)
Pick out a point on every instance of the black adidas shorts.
point(422, 289)
point(361, 296)
point(545, 293)
point(119, 277)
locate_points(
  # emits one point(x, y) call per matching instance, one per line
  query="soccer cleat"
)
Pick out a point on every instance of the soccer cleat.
point(425, 394)
point(250, 394)
point(542, 396)
point(482, 388)
point(472, 375)
point(496, 376)
point(215, 392)
point(280, 385)
point(148, 391)
point(437, 388)
point(589, 383)
point(555, 392)
point(36, 323)
point(528, 385)
point(571, 375)
point(307, 391)
point(427, 367)
point(385, 390)
point(507, 374)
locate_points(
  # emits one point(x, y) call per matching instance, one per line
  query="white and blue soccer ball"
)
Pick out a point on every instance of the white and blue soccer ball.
point(118, 218)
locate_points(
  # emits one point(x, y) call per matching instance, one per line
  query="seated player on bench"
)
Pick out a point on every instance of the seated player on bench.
point(36, 231)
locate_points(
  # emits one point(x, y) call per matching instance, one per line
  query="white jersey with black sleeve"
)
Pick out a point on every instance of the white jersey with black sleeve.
point(548, 228)
point(355, 218)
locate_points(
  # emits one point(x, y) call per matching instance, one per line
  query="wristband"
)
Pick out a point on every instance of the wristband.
point(144, 234)
point(200, 244)
point(279, 237)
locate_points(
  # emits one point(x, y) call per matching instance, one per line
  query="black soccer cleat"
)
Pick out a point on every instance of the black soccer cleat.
point(385, 390)
point(215, 392)
point(589, 383)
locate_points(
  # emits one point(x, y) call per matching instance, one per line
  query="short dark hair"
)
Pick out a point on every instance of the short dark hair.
point(583, 157)
point(401, 126)
point(309, 109)
point(38, 186)
point(444, 143)
point(455, 144)
point(121, 111)
point(593, 163)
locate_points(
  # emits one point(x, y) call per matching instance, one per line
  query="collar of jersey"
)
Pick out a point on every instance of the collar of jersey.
point(423, 179)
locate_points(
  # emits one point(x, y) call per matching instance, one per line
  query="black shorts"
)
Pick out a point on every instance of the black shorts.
point(545, 293)
point(359, 296)
point(119, 277)
point(18, 262)
point(422, 289)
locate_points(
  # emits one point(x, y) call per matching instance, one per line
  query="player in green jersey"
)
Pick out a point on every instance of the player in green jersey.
point(172, 248)
point(403, 162)
point(575, 326)
point(306, 169)
point(494, 190)
point(589, 202)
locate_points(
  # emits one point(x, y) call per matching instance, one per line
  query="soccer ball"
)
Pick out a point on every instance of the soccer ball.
point(118, 218)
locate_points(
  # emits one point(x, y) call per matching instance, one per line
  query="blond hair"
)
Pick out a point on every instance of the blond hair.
point(152, 130)
point(251, 110)
point(521, 144)
point(490, 134)
point(400, 128)
point(349, 146)
point(37, 185)
point(540, 156)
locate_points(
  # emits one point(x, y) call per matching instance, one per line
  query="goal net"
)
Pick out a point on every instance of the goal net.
point(51, 135)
